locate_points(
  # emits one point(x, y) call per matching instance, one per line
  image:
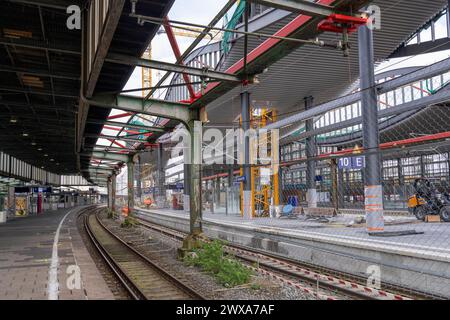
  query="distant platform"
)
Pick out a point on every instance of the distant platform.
point(26, 253)
point(418, 261)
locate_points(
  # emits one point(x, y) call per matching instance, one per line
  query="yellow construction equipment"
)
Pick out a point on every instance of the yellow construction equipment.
point(264, 179)
point(147, 78)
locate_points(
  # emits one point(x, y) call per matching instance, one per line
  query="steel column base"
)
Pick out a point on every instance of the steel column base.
point(247, 205)
point(374, 208)
point(311, 198)
point(191, 242)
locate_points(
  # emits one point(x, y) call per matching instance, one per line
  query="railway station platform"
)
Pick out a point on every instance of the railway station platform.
point(40, 256)
point(420, 261)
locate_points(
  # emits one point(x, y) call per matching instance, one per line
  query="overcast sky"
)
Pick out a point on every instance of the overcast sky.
point(202, 11)
point(194, 11)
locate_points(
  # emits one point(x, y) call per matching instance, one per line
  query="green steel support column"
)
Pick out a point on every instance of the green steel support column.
point(108, 188)
point(195, 183)
point(130, 171)
point(373, 190)
point(161, 176)
point(311, 152)
point(340, 188)
point(245, 119)
point(113, 193)
point(334, 184)
point(137, 175)
point(195, 130)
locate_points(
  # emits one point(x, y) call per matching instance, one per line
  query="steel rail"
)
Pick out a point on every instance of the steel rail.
point(163, 273)
point(399, 293)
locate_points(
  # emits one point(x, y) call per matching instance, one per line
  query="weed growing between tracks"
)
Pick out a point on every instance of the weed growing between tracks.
point(129, 222)
point(226, 269)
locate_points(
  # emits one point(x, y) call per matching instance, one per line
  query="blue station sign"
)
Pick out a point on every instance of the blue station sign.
point(352, 163)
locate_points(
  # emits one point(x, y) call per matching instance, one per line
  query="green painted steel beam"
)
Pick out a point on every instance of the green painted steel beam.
point(153, 107)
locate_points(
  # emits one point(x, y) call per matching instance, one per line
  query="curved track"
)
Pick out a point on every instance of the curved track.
point(143, 279)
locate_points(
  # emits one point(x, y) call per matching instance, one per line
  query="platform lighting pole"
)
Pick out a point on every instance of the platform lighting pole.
point(373, 190)
point(245, 117)
point(311, 150)
point(130, 172)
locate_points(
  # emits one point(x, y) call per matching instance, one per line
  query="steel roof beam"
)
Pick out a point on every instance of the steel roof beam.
point(128, 125)
point(51, 4)
point(158, 108)
point(109, 148)
point(38, 72)
point(33, 45)
point(423, 73)
point(440, 97)
point(102, 136)
point(44, 93)
point(96, 170)
point(196, 41)
point(165, 66)
point(109, 28)
point(299, 6)
point(107, 156)
point(421, 48)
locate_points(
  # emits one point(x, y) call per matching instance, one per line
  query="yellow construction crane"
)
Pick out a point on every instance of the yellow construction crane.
point(193, 32)
point(147, 78)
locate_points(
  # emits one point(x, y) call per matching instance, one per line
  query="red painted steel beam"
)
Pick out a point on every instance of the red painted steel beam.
point(117, 143)
point(121, 115)
point(131, 132)
point(220, 175)
point(265, 47)
point(386, 145)
point(177, 52)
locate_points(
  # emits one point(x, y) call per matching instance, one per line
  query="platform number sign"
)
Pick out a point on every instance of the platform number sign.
point(352, 163)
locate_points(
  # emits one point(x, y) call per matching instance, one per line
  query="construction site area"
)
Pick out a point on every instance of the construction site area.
point(225, 150)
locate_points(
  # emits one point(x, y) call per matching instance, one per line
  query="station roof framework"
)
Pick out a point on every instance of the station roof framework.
point(309, 74)
point(39, 83)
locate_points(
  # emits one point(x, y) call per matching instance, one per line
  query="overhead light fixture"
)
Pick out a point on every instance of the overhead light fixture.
point(45, 155)
point(16, 34)
point(25, 134)
point(32, 81)
point(52, 160)
point(39, 149)
point(13, 120)
point(33, 143)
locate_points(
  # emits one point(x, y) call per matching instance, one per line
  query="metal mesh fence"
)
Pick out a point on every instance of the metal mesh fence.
point(321, 216)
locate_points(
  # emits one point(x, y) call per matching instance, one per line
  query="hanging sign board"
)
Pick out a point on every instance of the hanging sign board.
point(352, 163)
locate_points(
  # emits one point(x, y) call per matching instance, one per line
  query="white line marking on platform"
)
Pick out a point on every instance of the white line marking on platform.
point(52, 288)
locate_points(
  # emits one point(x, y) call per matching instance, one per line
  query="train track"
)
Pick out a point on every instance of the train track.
point(321, 282)
point(142, 278)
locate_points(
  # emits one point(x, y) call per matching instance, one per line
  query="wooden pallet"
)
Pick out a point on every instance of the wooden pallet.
point(432, 218)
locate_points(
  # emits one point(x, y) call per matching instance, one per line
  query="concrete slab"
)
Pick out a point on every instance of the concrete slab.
point(26, 247)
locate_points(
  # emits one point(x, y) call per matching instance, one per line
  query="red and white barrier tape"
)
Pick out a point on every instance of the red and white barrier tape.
point(328, 279)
